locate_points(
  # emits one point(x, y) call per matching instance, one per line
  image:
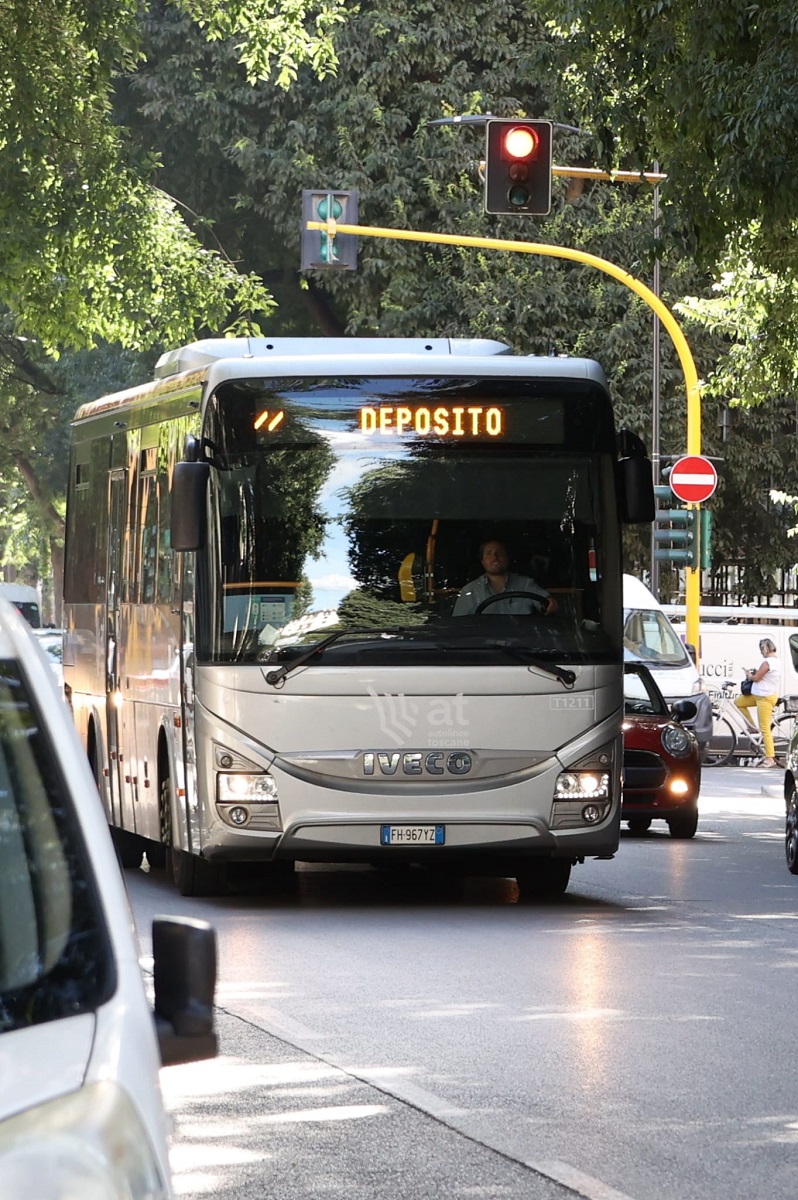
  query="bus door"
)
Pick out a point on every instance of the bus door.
point(117, 509)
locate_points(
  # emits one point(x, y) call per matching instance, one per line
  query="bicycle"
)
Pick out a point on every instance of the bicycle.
point(733, 736)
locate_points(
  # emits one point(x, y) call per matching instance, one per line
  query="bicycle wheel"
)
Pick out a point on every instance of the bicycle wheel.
point(722, 744)
point(784, 728)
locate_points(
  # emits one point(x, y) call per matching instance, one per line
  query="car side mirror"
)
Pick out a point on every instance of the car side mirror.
point(690, 648)
point(683, 710)
point(184, 971)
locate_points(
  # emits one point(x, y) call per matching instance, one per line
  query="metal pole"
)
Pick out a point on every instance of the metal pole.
point(655, 380)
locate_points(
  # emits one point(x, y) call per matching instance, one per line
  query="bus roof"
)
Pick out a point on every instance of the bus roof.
point(205, 364)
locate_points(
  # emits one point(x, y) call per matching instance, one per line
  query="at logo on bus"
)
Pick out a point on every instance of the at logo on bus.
point(416, 762)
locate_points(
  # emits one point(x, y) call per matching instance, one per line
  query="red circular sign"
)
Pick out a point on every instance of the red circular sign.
point(693, 479)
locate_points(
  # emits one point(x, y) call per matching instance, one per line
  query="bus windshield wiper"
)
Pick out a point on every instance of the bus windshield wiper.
point(275, 678)
point(564, 674)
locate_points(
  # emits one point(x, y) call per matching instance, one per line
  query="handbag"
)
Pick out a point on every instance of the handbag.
point(745, 687)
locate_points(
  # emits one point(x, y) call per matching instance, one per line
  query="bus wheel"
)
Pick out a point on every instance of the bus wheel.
point(543, 877)
point(192, 875)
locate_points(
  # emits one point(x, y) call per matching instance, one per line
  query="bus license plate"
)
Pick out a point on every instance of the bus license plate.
point(412, 835)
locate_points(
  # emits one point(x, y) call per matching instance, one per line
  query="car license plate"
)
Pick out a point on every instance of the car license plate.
point(412, 835)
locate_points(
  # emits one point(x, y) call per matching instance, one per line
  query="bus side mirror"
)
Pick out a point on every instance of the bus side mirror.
point(189, 493)
point(184, 976)
point(635, 489)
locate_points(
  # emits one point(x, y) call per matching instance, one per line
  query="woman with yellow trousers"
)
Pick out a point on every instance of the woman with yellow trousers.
point(765, 686)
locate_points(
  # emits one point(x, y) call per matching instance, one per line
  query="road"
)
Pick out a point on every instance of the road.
point(633, 1040)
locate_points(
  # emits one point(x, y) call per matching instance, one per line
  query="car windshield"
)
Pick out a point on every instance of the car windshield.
point(641, 696)
point(649, 638)
point(55, 958)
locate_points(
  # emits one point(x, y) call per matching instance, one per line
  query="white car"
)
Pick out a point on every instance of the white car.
point(52, 643)
point(80, 1047)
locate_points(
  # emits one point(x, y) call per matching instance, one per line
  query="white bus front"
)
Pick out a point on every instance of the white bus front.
point(342, 710)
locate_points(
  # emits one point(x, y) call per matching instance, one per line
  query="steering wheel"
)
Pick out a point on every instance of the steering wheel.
point(538, 601)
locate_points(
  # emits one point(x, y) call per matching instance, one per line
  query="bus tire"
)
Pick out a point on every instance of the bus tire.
point(543, 877)
point(192, 875)
point(195, 876)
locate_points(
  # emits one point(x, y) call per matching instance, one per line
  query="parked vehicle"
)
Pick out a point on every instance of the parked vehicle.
point(650, 639)
point(729, 643)
point(52, 643)
point(661, 758)
point(80, 1105)
point(25, 600)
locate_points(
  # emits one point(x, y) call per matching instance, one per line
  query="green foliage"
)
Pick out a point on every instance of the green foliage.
point(90, 250)
point(268, 32)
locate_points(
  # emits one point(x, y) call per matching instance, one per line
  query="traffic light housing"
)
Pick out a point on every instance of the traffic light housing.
point(518, 166)
point(319, 249)
point(677, 532)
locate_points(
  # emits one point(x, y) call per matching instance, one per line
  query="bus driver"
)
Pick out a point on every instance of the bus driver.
point(499, 578)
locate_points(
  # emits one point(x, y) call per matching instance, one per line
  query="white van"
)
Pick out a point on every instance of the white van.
point(80, 1047)
point(25, 600)
point(649, 638)
point(729, 638)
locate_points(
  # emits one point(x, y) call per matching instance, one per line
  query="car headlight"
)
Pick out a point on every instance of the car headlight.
point(90, 1143)
point(698, 686)
point(677, 741)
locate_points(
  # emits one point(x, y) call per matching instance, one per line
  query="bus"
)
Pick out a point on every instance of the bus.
point(265, 549)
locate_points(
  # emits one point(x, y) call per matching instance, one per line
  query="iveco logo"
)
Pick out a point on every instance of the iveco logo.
point(416, 762)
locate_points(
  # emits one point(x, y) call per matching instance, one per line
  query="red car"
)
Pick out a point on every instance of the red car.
point(661, 759)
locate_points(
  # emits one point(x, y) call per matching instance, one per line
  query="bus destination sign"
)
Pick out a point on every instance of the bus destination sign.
point(443, 421)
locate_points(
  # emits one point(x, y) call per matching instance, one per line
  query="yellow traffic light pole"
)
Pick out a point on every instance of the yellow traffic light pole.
point(693, 581)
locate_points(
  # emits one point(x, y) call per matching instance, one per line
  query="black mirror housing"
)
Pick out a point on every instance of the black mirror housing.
point(189, 493)
point(184, 972)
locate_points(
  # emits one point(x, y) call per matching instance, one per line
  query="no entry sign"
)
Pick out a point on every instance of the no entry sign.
point(693, 479)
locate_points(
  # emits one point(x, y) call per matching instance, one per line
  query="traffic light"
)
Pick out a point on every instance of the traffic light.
point(518, 166)
point(318, 248)
point(677, 529)
point(705, 541)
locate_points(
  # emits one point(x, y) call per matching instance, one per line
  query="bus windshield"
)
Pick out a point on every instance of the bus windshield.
point(367, 505)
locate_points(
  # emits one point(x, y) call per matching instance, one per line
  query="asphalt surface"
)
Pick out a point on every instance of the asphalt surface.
point(630, 1042)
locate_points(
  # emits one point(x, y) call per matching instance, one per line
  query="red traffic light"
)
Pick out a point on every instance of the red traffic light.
point(518, 166)
point(521, 141)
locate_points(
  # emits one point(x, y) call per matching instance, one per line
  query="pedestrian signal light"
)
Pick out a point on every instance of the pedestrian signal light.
point(518, 166)
point(321, 248)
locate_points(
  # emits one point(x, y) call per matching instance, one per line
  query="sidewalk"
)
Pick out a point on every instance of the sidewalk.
point(267, 1120)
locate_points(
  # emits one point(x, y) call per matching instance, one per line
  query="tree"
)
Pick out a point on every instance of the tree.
point(711, 91)
point(90, 249)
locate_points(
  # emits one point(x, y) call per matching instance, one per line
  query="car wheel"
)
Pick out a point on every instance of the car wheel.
point(791, 840)
point(543, 877)
point(683, 824)
point(639, 825)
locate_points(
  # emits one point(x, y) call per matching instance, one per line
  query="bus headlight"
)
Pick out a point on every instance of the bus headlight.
point(238, 789)
point(248, 801)
point(582, 785)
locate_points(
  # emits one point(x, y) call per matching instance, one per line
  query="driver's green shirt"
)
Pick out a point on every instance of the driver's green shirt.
point(478, 590)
